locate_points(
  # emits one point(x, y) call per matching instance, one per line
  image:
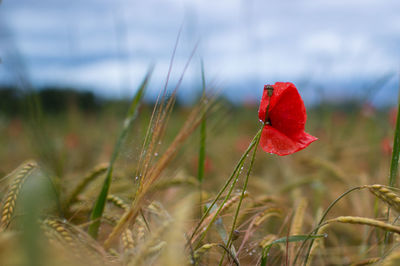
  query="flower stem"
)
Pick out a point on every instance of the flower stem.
point(229, 243)
point(232, 177)
point(320, 223)
point(394, 165)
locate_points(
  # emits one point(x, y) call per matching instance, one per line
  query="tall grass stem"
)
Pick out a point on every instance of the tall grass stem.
point(98, 208)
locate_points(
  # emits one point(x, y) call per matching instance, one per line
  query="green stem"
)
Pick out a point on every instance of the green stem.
point(98, 209)
point(394, 165)
point(219, 208)
point(238, 165)
point(202, 148)
point(229, 243)
point(320, 223)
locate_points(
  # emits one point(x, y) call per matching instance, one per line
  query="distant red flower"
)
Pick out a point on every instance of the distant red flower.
point(208, 164)
point(393, 116)
point(71, 141)
point(386, 146)
point(368, 110)
point(283, 133)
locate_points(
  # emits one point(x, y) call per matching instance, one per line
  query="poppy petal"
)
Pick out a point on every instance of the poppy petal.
point(288, 114)
point(263, 105)
point(279, 89)
point(273, 141)
point(304, 139)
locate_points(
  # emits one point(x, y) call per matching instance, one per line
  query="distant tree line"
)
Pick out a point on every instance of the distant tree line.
point(54, 100)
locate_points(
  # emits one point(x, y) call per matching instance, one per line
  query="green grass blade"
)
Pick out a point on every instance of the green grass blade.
point(230, 239)
point(320, 224)
point(202, 150)
point(98, 208)
point(394, 165)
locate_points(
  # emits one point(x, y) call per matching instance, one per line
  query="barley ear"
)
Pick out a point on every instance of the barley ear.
point(18, 178)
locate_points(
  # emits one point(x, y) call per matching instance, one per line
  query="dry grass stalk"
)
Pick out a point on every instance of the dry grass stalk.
point(298, 218)
point(155, 172)
point(174, 253)
point(264, 199)
point(20, 175)
point(174, 182)
point(393, 259)
point(384, 193)
point(366, 262)
point(266, 214)
point(365, 221)
point(297, 223)
point(336, 171)
point(159, 118)
point(146, 248)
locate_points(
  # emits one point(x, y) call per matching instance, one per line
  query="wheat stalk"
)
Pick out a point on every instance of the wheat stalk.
point(365, 221)
point(8, 208)
point(60, 230)
point(297, 222)
point(154, 173)
point(127, 240)
point(80, 245)
point(153, 241)
point(266, 214)
point(117, 201)
point(387, 195)
point(393, 259)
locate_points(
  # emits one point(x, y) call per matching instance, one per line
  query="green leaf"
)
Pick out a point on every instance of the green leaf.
point(98, 208)
point(202, 150)
point(394, 165)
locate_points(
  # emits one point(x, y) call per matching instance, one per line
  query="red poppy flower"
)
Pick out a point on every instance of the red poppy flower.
point(283, 133)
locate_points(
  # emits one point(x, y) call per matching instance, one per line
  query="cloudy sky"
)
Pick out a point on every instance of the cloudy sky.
point(329, 49)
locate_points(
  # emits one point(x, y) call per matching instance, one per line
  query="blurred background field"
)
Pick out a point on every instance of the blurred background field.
point(82, 129)
point(78, 131)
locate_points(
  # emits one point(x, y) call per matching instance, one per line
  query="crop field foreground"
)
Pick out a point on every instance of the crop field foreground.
point(133, 183)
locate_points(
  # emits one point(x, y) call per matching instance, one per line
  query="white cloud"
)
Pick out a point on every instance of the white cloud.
point(92, 42)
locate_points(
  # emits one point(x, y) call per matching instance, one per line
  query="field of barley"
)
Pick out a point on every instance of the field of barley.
point(136, 183)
